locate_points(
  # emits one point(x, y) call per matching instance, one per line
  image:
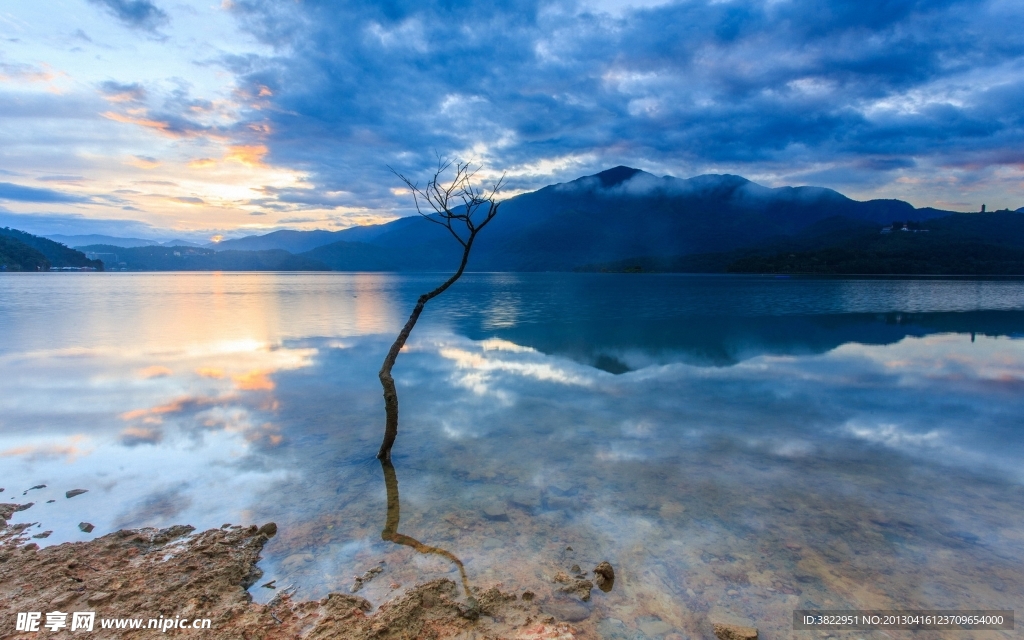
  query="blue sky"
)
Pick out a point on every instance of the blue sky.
point(193, 118)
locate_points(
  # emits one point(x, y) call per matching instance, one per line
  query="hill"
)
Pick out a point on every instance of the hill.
point(159, 258)
point(55, 253)
point(613, 215)
point(18, 256)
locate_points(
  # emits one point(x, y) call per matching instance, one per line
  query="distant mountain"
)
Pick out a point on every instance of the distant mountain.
point(622, 213)
point(18, 256)
point(1021, 210)
point(179, 243)
point(291, 241)
point(157, 258)
point(81, 241)
point(55, 253)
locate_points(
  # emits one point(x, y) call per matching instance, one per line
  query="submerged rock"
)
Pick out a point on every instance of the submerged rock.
point(75, 492)
point(370, 574)
point(495, 511)
point(86, 527)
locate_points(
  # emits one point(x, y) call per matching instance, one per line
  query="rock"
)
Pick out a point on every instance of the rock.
point(366, 577)
point(269, 585)
point(86, 527)
point(562, 488)
point(604, 576)
point(561, 577)
point(495, 511)
point(295, 560)
point(45, 534)
point(528, 595)
point(580, 588)
point(655, 627)
point(561, 503)
point(50, 501)
point(99, 597)
point(575, 569)
point(63, 599)
point(734, 632)
point(493, 543)
point(75, 492)
point(269, 530)
point(567, 610)
point(22, 507)
point(526, 499)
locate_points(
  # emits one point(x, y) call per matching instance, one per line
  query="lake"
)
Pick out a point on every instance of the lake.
point(736, 447)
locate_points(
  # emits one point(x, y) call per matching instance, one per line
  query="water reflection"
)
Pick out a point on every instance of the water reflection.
point(390, 532)
point(854, 445)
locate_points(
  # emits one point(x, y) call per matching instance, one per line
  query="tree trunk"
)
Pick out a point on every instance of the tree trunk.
point(386, 381)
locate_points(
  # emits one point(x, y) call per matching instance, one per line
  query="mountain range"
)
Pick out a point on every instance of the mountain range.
point(613, 215)
point(598, 222)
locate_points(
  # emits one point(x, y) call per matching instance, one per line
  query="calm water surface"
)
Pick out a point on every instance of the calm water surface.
point(736, 447)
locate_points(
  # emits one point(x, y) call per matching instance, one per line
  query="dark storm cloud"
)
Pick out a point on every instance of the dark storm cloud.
point(137, 14)
point(869, 88)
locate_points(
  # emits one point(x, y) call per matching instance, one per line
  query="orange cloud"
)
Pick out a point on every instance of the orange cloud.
point(210, 372)
point(156, 371)
point(250, 155)
point(255, 380)
point(70, 451)
point(202, 163)
point(159, 125)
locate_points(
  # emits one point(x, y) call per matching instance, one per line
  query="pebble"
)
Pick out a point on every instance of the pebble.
point(75, 492)
point(86, 527)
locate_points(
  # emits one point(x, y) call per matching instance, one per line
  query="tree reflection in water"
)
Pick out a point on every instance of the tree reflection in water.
point(390, 533)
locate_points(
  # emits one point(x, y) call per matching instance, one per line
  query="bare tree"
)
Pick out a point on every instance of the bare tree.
point(464, 210)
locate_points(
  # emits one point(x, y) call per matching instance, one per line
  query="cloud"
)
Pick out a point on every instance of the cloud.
point(20, 193)
point(117, 92)
point(136, 14)
point(874, 90)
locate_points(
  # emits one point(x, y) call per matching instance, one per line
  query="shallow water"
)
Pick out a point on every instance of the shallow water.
point(737, 447)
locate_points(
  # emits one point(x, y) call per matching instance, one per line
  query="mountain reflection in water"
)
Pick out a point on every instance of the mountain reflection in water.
point(853, 446)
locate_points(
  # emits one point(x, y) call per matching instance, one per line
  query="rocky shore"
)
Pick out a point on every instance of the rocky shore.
point(177, 573)
point(175, 577)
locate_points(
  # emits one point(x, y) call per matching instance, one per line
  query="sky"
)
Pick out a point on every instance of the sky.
point(194, 119)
